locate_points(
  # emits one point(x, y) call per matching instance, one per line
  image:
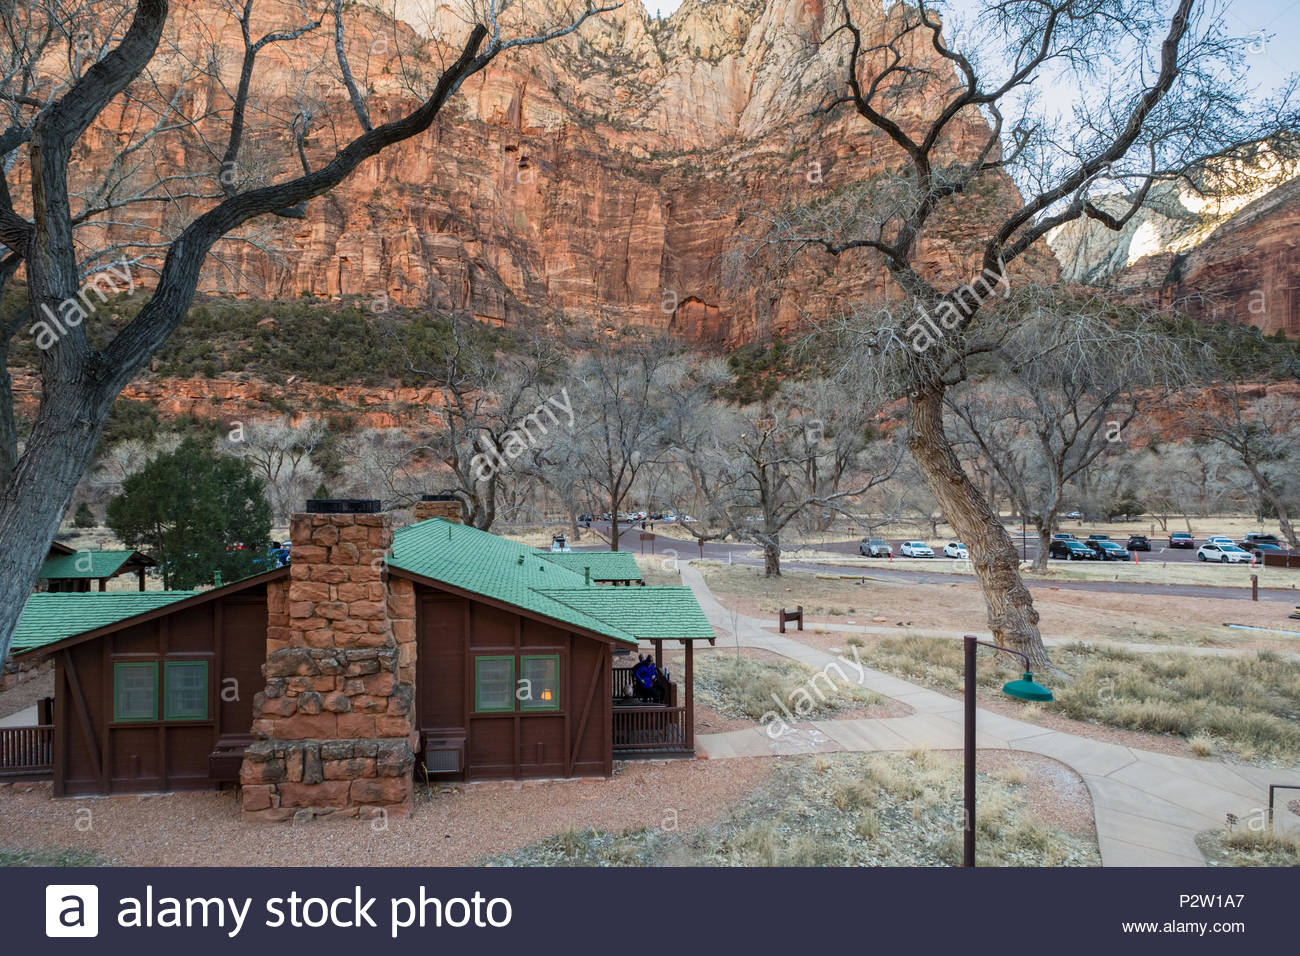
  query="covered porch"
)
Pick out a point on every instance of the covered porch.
point(658, 722)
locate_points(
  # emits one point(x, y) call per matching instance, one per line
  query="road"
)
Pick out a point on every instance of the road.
point(740, 553)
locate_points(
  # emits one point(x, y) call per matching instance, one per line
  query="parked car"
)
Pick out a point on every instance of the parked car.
point(954, 549)
point(1076, 515)
point(1224, 554)
point(1259, 537)
point(584, 518)
point(1071, 551)
point(1064, 536)
point(915, 549)
point(1107, 550)
point(1260, 550)
point(1138, 542)
point(875, 548)
point(1222, 540)
point(1098, 537)
point(1181, 539)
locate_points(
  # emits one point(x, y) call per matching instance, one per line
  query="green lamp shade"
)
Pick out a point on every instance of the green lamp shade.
point(1026, 689)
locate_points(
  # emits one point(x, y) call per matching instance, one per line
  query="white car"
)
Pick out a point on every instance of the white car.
point(954, 549)
point(1224, 554)
point(915, 549)
point(1221, 540)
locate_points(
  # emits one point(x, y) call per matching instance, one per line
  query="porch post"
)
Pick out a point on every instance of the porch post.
point(659, 653)
point(690, 695)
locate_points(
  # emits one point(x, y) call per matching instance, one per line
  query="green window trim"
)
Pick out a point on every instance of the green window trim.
point(509, 704)
point(120, 668)
point(535, 702)
point(177, 667)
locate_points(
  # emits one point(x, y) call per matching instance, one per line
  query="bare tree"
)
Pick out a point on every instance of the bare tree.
point(488, 396)
point(1072, 382)
point(618, 400)
point(280, 453)
point(1262, 432)
point(125, 74)
point(1157, 91)
point(779, 464)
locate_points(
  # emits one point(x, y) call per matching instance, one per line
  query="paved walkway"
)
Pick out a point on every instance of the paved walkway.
point(23, 718)
point(1148, 806)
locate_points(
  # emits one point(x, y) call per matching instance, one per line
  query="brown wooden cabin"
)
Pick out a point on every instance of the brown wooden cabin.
point(162, 698)
point(67, 570)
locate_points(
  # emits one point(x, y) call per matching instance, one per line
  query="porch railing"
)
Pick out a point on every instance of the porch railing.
point(27, 751)
point(624, 685)
point(649, 728)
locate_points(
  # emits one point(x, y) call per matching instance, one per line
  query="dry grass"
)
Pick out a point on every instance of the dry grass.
point(830, 596)
point(744, 687)
point(1247, 847)
point(1245, 706)
point(841, 810)
point(51, 857)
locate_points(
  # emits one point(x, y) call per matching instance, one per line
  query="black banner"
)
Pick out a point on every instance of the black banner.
point(647, 910)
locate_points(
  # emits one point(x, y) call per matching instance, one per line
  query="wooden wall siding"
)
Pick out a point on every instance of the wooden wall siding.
point(572, 741)
point(95, 753)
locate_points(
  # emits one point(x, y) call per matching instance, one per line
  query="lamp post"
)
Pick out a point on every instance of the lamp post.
point(1023, 689)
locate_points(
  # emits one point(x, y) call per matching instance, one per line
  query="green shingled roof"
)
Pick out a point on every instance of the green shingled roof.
point(648, 613)
point(605, 565)
point(516, 574)
point(456, 555)
point(85, 564)
point(48, 618)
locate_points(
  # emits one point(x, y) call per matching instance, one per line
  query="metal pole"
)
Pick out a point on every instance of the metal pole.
point(968, 767)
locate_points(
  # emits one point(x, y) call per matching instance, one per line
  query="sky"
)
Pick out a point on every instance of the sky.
point(1274, 25)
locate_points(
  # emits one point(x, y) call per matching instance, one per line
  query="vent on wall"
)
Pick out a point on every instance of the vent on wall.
point(444, 756)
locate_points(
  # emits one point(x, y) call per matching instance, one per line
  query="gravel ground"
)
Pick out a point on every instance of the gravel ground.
point(452, 826)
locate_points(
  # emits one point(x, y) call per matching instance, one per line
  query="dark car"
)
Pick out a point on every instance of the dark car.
point(1138, 542)
point(1098, 537)
point(1064, 536)
point(1107, 550)
point(584, 517)
point(1071, 551)
point(1259, 537)
point(1261, 548)
point(1181, 539)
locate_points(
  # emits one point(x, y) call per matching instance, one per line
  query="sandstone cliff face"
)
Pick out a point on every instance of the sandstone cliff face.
point(1233, 260)
point(598, 179)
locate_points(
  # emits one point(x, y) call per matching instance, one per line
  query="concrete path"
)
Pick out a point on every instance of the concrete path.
point(23, 718)
point(1148, 806)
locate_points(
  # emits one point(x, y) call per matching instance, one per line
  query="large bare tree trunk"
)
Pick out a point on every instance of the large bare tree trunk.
point(1044, 547)
point(771, 559)
point(38, 492)
point(1011, 614)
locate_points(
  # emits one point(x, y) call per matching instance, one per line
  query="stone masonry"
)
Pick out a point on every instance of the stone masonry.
point(437, 506)
point(333, 730)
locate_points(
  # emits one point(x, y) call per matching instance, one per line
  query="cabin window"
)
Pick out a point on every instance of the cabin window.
point(539, 685)
point(494, 683)
point(185, 694)
point(135, 691)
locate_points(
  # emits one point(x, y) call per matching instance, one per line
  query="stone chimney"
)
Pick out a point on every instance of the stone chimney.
point(333, 730)
point(438, 506)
